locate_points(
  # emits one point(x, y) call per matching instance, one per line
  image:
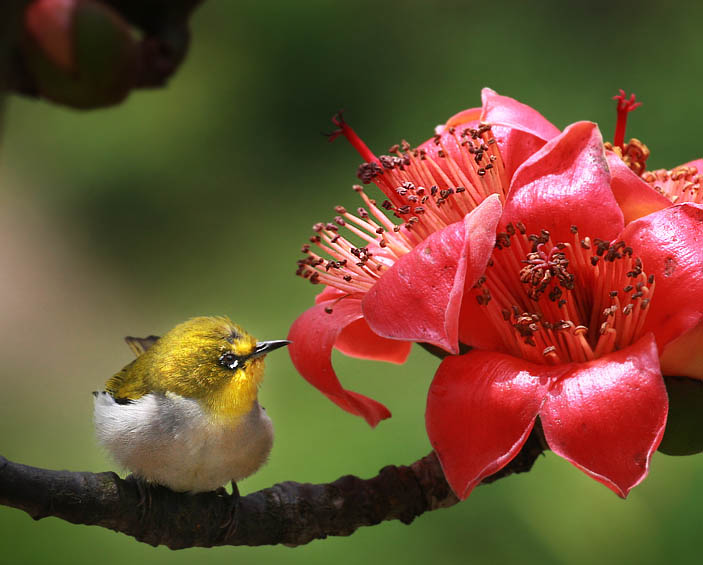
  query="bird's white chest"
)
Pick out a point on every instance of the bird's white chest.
point(171, 440)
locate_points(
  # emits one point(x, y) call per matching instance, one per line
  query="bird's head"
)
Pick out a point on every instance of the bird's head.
point(213, 360)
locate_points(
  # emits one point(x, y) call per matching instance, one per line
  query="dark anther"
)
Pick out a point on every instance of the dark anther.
point(368, 171)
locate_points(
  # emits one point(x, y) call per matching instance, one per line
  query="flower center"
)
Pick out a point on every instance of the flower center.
point(634, 153)
point(559, 302)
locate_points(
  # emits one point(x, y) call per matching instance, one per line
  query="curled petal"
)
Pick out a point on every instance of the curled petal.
point(313, 335)
point(683, 357)
point(505, 111)
point(566, 182)
point(418, 299)
point(516, 146)
point(670, 244)
point(357, 340)
point(608, 416)
point(635, 197)
point(481, 408)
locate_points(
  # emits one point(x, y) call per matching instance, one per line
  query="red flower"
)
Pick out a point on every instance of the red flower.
point(568, 324)
point(405, 282)
point(401, 283)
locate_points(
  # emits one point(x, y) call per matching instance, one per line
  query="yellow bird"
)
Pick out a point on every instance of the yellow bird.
point(185, 413)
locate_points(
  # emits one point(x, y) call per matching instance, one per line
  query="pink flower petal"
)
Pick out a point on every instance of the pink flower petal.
point(480, 409)
point(516, 146)
point(607, 416)
point(683, 357)
point(418, 299)
point(635, 197)
point(467, 118)
point(565, 183)
point(670, 244)
point(518, 129)
point(698, 163)
point(314, 334)
point(477, 329)
point(357, 340)
point(505, 111)
point(330, 293)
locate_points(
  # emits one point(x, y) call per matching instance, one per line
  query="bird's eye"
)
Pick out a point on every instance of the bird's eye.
point(229, 360)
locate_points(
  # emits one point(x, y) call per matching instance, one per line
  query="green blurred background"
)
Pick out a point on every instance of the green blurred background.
point(195, 200)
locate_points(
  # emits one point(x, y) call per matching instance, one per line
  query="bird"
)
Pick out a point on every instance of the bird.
point(185, 413)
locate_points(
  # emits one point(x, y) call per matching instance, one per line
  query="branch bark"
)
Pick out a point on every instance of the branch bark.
point(287, 513)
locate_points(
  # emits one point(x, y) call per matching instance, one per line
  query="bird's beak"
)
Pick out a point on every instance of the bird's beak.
point(265, 347)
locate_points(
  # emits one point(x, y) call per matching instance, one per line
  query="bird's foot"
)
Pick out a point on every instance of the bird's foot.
point(232, 520)
point(144, 490)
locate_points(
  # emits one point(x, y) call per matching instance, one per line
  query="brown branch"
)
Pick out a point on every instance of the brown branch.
point(287, 513)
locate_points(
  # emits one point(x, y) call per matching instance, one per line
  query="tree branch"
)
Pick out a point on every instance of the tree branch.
point(287, 513)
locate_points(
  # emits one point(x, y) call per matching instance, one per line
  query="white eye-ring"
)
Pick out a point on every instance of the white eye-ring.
point(229, 361)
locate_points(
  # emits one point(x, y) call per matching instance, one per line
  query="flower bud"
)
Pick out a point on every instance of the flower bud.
point(48, 22)
point(80, 52)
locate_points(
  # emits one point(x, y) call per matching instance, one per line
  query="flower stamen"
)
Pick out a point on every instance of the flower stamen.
point(354, 269)
point(682, 184)
point(560, 302)
point(438, 183)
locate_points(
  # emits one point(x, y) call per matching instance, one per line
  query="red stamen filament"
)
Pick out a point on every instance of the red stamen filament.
point(353, 269)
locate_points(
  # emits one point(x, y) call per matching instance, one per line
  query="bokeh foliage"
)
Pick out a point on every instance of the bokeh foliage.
point(195, 200)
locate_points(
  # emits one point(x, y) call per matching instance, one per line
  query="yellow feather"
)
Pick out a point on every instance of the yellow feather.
point(185, 361)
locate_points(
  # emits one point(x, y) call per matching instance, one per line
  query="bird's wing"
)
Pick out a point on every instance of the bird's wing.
point(127, 385)
point(139, 345)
